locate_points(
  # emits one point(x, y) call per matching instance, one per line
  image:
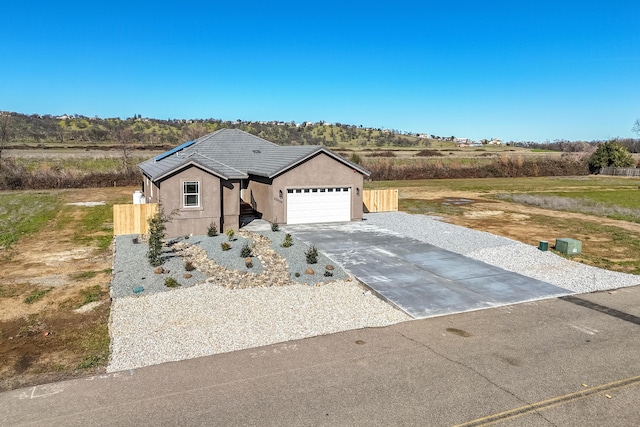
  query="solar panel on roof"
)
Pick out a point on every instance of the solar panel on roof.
point(173, 150)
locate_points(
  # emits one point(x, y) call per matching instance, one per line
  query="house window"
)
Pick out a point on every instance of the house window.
point(191, 194)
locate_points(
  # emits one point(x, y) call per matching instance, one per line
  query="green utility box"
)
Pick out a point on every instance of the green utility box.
point(569, 246)
point(544, 245)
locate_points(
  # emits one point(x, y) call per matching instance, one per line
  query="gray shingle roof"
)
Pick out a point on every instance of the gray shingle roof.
point(234, 154)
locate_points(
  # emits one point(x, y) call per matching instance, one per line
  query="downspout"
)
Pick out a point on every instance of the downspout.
point(221, 206)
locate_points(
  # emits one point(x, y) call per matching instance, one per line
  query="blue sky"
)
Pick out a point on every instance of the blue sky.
point(533, 71)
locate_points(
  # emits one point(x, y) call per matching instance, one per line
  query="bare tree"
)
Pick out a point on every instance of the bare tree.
point(5, 132)
point(636, 127)
point(125, 138)
point(194, 131)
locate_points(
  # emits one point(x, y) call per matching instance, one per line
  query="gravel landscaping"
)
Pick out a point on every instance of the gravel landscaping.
point(210, 315)
point(233, 308)
point(502, 252)
point(210, 319)
point(132, 270)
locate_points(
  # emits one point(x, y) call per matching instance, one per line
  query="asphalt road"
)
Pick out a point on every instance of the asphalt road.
point(559, 362)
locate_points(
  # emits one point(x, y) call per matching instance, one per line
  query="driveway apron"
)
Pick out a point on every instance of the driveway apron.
point(420, 279)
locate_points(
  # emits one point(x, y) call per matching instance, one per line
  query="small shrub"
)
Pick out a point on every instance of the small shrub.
point(156, 234)
point(312, 255)
point(83, 275)
point(36, 295)
point(385, 153)
point(245, 252)
point(428, 153)
point(230, 233)
point(212, 230)
point(157, 227)
point(225, 246)
point(170, 282)
point(275, 226)
point(94, 293)
point(297, 274)
point(188, 265)
point(287, 242)
point(186, 237)
point(91, 361)
point(328, 273)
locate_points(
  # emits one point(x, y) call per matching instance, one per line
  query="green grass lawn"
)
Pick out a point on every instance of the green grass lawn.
point(516, 185)
point(22, 214)
point(96, 226)
point(617, 198)
point(625, 240)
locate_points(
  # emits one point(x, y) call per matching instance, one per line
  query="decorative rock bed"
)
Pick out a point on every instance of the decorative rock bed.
point(271, 264)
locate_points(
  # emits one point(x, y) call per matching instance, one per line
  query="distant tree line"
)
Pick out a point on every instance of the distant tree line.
point(502, 167)
point(564, 146)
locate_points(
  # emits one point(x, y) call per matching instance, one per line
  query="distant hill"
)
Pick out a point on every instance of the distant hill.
point(81, 131)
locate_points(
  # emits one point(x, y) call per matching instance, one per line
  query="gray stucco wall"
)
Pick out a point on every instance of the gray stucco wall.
point(190, 220)
point(319, 171)
point(258, 195)
point(230, 205)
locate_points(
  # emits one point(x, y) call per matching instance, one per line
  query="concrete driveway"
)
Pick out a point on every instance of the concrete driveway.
point(420, 279)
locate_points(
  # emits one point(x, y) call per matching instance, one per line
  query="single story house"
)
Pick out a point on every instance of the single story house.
point(204, 181)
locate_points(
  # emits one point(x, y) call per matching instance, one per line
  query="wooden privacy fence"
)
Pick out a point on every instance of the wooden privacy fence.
point(620, 171)
point(132, 219)
point(380, 200)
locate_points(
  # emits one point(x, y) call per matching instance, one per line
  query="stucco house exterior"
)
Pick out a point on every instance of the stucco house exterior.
point(205, 180)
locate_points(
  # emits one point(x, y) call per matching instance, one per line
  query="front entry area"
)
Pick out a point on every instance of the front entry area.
point(317, 205)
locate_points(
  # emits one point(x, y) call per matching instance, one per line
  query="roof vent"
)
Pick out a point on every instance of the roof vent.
point(256, 151)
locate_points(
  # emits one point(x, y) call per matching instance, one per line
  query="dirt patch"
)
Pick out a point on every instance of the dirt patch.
point(455, 201)
point(38, 346)
point(58, 272)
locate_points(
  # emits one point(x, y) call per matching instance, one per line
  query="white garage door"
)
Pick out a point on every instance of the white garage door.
point(310, 205)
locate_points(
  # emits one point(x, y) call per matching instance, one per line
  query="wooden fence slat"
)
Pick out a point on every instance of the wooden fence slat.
point(380, 200)
point(132, 219)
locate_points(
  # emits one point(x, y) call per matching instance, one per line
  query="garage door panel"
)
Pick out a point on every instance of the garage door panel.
point(330, 205)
